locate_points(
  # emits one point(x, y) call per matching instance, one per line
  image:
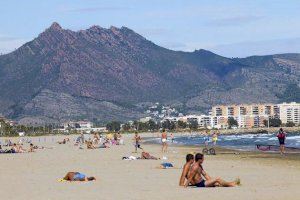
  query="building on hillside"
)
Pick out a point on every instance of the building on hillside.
point(79, 125)
point(290, 112)
point(145, 119)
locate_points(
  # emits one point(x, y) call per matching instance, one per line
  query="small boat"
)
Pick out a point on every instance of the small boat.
point(269, 147)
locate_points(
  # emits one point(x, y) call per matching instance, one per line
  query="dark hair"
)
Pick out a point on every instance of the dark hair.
point(281, 130)
point(189, 157)
point(163, 130)
point(198, 156)
point(91, 178)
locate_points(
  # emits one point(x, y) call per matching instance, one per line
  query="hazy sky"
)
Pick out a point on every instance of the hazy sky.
point(231, 28)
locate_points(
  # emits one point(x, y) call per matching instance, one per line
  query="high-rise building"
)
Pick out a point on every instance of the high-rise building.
point(247, 115)
point(290, 112)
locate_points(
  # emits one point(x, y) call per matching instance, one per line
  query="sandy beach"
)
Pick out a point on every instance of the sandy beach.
point(35, 175)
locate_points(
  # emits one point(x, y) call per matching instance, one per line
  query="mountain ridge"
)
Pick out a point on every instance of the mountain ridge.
point(118, 65)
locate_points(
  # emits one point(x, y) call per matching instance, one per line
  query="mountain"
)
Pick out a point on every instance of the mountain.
point(107, 74)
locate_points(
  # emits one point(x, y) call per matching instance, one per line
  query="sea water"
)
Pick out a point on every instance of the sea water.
point(237, 141)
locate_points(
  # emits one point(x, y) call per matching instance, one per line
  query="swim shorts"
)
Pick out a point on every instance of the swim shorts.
point(200, 184)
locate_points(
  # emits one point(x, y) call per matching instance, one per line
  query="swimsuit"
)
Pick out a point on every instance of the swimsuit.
point(78, 176)
point(281, 141)
point(200, 184)
point(281, 138)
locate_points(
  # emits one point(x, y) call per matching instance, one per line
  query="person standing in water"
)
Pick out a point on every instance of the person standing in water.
point(172, 138)
point(206, 138)
point(281, 139)
point(215, 138)
point(164, 137)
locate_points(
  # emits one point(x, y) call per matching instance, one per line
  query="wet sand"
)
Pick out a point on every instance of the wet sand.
point(35, 175)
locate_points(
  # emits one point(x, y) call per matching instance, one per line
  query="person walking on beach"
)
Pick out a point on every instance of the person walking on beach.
point(281, 139)
point(172, 138)
point(196, 172)
point(164, 137)
point(137, 139)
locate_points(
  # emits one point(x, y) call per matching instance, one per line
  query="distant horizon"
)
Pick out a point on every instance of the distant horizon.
point(231, 29)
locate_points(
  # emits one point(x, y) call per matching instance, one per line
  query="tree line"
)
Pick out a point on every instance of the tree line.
point(151, 125)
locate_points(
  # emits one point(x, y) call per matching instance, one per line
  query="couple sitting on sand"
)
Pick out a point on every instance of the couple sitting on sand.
point(193, 174)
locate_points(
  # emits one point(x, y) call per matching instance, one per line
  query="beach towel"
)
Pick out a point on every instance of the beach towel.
point(130, 158)
point(167, 165)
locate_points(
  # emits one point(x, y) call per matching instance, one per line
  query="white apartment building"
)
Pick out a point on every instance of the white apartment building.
point(290, 112)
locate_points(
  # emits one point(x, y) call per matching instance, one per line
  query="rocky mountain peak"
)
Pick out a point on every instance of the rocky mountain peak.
point(55, 26)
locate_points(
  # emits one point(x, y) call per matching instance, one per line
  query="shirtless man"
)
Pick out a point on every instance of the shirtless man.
point(186, 168)
point(164, 141)
point(196, 172)
point(137, 139)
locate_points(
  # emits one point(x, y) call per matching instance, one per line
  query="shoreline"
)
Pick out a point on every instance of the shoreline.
point(294, 130)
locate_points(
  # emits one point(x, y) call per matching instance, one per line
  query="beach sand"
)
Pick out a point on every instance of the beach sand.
point(35, 175)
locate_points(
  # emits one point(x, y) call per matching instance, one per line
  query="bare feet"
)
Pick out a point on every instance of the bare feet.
point(238, 182)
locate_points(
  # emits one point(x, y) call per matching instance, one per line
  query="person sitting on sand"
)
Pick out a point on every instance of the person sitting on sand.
point(96, 138)
point(62, 142)
point(186, 168)
point(8, 143)
point(1, 150)
point(147, 156)
point(65, 140)
point(89, 145)
point(31, 148)
point(196, 172)
point(17, 149)
point(105, 144)
point(76, 176)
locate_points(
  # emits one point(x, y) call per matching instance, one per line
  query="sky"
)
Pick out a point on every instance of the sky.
point(230, 28)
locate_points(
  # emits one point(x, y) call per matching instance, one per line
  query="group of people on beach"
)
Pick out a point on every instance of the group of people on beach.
point(99, 141)
point(193, 174)
point(18, 147)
